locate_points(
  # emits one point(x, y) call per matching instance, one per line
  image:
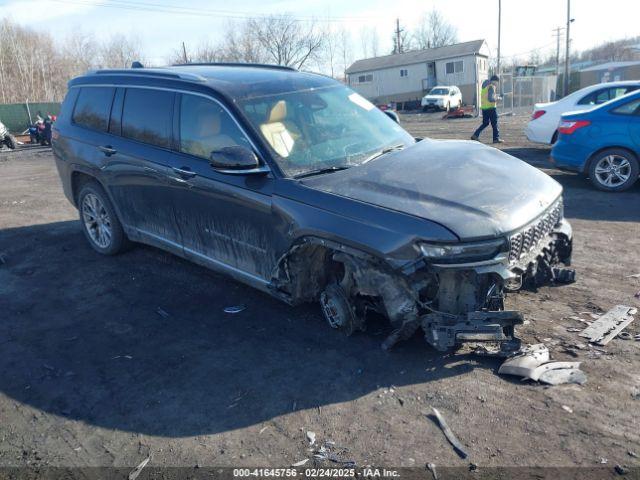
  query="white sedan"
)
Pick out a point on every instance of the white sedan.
point(543, 126)
point(445, 98)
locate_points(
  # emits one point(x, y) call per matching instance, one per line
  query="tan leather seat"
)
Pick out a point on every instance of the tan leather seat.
point(281, 137)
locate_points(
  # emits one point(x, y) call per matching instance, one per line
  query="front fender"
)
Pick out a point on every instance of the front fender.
point(376, 231)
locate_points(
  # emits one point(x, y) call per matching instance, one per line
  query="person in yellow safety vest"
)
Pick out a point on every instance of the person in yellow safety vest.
point(488, 99)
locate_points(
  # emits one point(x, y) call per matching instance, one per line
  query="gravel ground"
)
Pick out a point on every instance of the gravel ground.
point(107, 360)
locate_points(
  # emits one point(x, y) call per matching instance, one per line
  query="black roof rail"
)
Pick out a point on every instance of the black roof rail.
point(235, 64)
point(146, 72)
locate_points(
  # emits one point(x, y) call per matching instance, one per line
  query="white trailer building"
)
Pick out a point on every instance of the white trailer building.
point(407, 77)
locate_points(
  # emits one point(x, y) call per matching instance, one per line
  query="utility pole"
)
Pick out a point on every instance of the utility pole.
point(398, 47)
point(184, 53)
point(566, 54)
point(558, 36)
point(499, 32)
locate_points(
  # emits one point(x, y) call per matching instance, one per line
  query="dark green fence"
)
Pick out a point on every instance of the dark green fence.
point(16, 116)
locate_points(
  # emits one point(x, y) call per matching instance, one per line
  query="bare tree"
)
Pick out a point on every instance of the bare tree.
point(286, 40)
point(370, 42)
point(120, 51)
point(80, 51)
point(434, 31)
point(242, 44)
point(345, 51)
point(613, 51)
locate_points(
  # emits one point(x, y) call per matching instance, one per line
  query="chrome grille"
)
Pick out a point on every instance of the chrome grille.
point(526, 240)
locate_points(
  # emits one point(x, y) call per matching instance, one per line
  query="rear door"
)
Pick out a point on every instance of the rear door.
point(88, 130)
point(633, 110)
point(141, 165)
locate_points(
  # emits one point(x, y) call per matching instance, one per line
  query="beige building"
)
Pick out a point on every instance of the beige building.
point(609, 72)
point(407, 77)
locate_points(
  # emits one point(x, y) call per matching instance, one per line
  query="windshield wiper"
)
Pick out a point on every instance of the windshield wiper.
point(382, 152)
point(322, 171)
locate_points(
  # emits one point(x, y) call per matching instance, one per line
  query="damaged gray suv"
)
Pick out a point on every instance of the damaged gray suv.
point(294, 184)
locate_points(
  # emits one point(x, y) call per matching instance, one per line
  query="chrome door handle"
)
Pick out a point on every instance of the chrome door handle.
point(184, 172)
point(108, 150)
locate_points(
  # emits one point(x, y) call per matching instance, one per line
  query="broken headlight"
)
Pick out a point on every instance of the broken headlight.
point(462, 252)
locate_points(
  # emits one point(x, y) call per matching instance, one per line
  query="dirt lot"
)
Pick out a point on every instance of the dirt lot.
point(91, 374)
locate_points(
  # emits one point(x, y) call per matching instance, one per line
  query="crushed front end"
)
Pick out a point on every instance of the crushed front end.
point(454, 292)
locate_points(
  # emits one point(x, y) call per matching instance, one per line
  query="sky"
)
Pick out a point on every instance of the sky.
point(526, 25)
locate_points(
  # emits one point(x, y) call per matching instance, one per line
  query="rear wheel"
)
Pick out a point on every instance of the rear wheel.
point(99, 222)
point(613, 170)
point(10, 141)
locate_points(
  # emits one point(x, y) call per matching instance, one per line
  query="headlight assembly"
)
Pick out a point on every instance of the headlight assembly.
point(462, 252)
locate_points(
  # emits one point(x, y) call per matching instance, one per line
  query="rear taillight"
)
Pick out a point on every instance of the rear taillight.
point(538, 114)
point(567, 127)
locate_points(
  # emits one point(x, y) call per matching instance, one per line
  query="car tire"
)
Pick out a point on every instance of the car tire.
point(425, 109)
point(99, 221)
point(10, 141)
point(613, 170)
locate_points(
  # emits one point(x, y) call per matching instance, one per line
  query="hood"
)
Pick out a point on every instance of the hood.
point(473, 190)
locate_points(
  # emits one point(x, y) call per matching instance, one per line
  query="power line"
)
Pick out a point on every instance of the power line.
point(182, 10)
point(532, 50)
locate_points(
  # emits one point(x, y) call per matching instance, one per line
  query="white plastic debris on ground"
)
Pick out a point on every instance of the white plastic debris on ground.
point(533, 362)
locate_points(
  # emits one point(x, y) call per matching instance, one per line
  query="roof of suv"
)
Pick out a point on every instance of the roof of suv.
point(239, 81)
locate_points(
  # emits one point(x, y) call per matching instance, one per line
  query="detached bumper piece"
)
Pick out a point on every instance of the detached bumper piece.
point(445, 331)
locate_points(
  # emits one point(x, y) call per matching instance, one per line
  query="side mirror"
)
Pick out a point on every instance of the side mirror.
point(235, 159)
point(392, 115)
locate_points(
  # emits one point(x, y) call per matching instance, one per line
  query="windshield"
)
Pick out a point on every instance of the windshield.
point(439, 91)
point(323, 129)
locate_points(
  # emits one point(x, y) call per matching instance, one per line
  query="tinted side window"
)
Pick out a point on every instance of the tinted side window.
point(595, 98)
point(93, 107)
point(205, 126)
point(628, 108)
point(146, 116)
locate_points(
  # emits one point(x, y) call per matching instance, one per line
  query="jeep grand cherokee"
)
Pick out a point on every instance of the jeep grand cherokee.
point(294, 184)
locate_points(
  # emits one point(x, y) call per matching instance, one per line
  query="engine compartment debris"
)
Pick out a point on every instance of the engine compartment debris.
point(609, 325)
point(454, 301)
point(533, 362)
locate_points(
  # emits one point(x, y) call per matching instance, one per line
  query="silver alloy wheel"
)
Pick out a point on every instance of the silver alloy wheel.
point(96, 220)
point(613, 170)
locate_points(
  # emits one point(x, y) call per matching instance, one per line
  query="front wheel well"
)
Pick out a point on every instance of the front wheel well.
point(306, 270)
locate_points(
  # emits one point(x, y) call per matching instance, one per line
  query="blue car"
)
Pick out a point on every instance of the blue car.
point(603, 143)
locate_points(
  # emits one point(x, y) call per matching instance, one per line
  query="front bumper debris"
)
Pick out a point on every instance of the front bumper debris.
point(445, 332)
point(469, 305)
point(453, 303)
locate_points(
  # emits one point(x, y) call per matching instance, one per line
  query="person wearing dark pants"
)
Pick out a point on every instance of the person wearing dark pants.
point(488, 99)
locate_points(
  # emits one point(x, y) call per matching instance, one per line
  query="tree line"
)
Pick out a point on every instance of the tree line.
point(35, 68)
